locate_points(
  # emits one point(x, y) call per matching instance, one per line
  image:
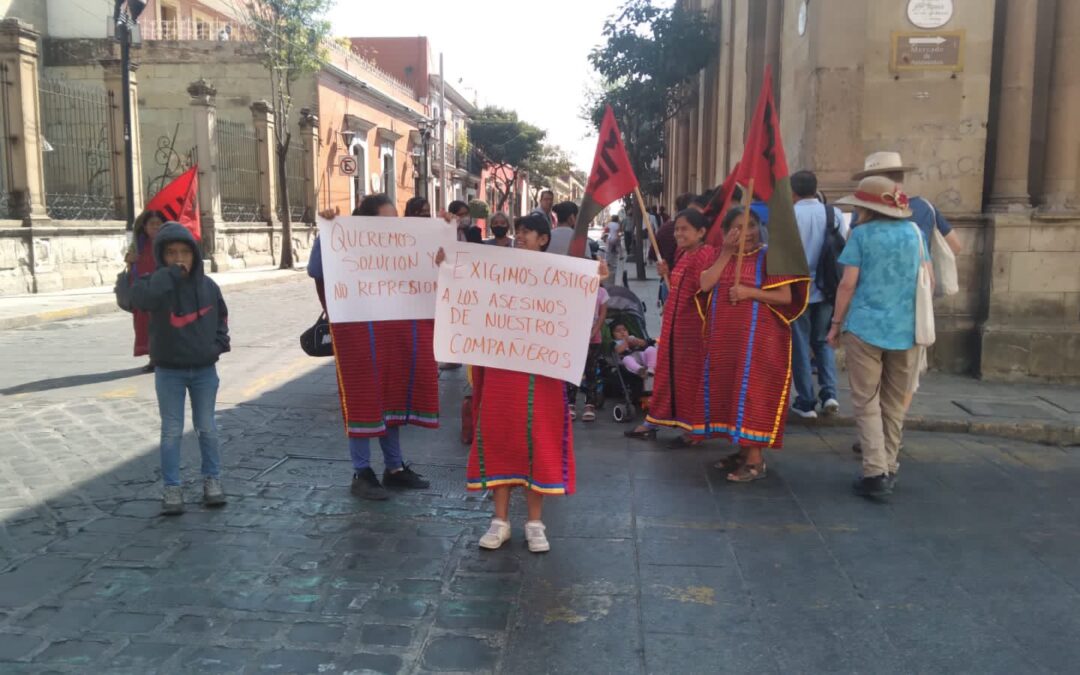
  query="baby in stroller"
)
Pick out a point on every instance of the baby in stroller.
point(635, 354)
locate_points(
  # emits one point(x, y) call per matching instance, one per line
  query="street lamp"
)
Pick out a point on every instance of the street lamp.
point(124, 21)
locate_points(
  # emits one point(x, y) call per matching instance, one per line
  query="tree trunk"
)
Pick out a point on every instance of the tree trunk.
point(287, 262)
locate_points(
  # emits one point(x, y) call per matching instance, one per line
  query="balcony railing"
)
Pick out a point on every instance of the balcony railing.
point(188, 30)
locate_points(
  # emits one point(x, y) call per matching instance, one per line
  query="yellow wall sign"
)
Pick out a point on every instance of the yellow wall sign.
point(928, 50)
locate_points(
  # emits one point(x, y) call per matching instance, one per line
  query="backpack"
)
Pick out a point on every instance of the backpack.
point(829, 270)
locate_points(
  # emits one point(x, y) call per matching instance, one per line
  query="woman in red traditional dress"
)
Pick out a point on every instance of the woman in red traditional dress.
point(523, 434)
point(747, 365)
point(141, 263)
point(677, 395)
point(387, 378)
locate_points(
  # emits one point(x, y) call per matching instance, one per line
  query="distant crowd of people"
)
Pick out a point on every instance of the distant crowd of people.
point(738, 348)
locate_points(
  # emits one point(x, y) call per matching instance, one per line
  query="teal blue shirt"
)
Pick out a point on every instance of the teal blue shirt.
point(882, 311)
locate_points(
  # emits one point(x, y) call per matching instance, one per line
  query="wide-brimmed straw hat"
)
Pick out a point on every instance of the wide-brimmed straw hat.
point(880, 195)
point(880, 163)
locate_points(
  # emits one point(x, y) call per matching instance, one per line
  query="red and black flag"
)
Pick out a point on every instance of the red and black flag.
point(612, 178)
point(179, 201)
point(764, 161)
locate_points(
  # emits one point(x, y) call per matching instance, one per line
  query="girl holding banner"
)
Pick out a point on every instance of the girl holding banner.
point(747, 362)
point(387, 378)
point(523, 434)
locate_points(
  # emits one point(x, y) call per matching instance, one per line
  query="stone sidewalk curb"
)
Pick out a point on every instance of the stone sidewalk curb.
point(107, 304)
point(1032, 432)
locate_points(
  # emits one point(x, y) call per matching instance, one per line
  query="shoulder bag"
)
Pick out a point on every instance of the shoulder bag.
point(924, 298)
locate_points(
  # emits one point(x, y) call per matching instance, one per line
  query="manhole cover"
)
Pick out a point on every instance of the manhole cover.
point(324, 472)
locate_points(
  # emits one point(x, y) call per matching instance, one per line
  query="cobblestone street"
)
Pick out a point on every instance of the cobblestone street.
point(657, 564)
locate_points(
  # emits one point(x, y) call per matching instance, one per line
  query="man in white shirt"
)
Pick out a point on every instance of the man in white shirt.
point(809, 332)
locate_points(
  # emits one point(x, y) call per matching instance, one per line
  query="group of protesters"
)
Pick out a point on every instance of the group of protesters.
point(735, 341)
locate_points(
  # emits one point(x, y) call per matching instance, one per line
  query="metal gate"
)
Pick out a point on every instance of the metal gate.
point(77, 155)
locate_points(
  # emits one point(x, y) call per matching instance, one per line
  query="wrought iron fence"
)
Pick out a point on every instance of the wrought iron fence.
point(167, 162)
point(77, 157)
point(238, 171)
point(294, 178)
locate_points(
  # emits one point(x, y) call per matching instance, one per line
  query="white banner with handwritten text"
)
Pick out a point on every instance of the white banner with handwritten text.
point(516, 310)
point(381, 269)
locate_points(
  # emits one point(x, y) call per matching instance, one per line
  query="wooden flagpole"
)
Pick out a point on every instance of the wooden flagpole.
point(648, 227)
point(744, 222)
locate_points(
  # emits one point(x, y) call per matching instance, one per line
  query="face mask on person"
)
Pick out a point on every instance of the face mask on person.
point(464, 220)
point(500, 231)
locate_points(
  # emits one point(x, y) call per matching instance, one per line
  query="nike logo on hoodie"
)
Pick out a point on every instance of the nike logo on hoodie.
point(188, 319)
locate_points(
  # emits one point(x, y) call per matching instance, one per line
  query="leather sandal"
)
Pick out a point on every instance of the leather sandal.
point(730, 463)
point(748, 473)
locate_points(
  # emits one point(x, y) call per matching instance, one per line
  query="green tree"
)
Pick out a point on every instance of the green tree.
point(552, 162)
point(647, 61)
point(503, 139)
point(292, 36)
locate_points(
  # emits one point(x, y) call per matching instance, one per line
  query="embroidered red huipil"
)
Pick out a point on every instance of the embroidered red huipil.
point(747, 364)
point(676, 400)
point(387, 376)
point(522, 433)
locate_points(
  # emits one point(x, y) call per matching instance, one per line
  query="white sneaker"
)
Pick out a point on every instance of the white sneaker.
point(805, 414)
point(830, 407)
point(497, 535)
point(213, 495)
point(534, 534)
point(172, 500)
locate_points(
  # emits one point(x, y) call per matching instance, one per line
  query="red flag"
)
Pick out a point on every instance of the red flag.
point(612, 178)
point(179, 201)
point(764, 161)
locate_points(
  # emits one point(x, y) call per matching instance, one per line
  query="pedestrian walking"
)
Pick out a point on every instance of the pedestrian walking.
point(612, 240)
point(676, 400)
point(523, 435)
point(747, 364)
point(189, 331)
point(875, 321)
point(809, 331)
point(141, 263)
point(924, 214)
point(387, 378)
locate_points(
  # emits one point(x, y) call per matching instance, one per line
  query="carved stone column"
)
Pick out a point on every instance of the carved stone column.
point(309, 143)
point(1062, 178)
point(204, 118)
point(1009, 190)
point(263, 119)
point(114, 83)
point(22, 121)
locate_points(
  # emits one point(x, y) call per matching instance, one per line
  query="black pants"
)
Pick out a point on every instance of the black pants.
point(589, 383)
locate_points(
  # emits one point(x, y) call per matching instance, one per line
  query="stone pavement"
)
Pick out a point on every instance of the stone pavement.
point(20, 311)
point(657, 566)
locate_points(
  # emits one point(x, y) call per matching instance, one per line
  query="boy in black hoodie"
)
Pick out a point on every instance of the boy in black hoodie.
point(188, 332)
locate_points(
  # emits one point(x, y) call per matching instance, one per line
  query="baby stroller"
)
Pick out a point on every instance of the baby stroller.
point(624, 307)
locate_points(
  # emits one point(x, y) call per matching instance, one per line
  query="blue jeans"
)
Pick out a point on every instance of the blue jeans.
point(172, 385)
point(808, 335)
point(360, 451)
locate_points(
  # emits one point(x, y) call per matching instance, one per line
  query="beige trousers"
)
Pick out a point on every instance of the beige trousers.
point(880, 381)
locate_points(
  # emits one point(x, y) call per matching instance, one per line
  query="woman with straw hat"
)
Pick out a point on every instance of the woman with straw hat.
point(875, 321)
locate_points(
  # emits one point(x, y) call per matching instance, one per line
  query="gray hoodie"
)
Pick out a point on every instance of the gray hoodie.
point(188, 318)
